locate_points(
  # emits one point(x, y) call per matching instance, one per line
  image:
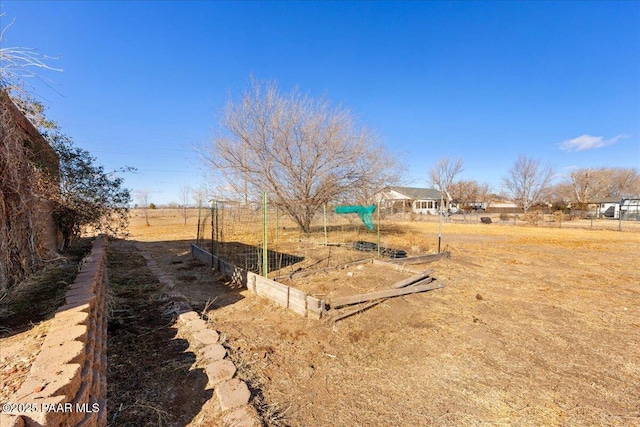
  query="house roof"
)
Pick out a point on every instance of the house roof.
point(415, 193)
point(616, 199)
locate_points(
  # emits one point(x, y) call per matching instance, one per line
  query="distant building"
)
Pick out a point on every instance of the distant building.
point(614, 207)
point(410, 199)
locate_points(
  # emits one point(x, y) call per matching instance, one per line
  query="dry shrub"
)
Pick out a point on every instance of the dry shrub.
point(532, 217)
point(504, 216)
point(559, 216)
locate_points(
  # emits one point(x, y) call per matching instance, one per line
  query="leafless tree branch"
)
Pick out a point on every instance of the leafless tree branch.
point(443, 174)
point(20, 63)
point(527, 181)
point(302, 151)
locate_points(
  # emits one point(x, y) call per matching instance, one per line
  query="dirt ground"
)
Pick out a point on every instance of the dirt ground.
point(536, 326)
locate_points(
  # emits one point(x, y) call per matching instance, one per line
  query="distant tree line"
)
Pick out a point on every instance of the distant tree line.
point(528, 182)
point(587, 185)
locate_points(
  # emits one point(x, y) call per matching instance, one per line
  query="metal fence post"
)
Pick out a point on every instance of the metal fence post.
point(212, 231)
point(378, 209)
point(324, 209)
point(265, 254)
point(620, 218)
point(198, 232)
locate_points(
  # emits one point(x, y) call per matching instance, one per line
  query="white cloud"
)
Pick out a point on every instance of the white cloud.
point(588, 142)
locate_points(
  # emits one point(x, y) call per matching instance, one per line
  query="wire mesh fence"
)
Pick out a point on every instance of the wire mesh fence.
point(264, 238)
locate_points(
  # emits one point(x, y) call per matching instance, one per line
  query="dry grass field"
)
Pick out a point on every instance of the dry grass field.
point(536, 326)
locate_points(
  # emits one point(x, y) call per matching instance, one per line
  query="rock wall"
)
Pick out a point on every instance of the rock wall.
point(67, 384)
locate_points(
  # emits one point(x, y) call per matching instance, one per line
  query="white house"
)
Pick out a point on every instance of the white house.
point(403, 199)
point(613, 207)
point(609, 207)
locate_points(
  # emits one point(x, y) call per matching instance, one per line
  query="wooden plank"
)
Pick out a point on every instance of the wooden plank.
point(356, 299)
point(366, 306)
point(251, 281)
point(274, 291)
point(420, 259)
point(409, 280)
point(357, 310)
point(297, 301)
point(315, 307)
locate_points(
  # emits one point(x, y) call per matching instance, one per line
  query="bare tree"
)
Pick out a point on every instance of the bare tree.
point(443, 174)
point(185, 195)
point(590, 184)
point(560, 195)
point(20, 63)
point(463, 192)
point(586, 184)
point(466, 192)
point(484, 190)
point(527, 180)
point(199, 195)
point(143, 199)
point(302, 151)
point(624, 181)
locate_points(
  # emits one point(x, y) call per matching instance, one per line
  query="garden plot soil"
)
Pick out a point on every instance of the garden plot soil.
point(356, 279)
point(536, 326)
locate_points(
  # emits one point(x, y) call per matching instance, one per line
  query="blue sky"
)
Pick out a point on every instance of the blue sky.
point(144, 82)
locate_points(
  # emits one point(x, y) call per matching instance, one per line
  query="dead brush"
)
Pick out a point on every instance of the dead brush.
point(223, 339)
point(205, 310)
point(274, 414)
point(38, 296)
point(162, 416)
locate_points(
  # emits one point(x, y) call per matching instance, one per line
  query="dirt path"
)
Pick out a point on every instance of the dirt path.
point(153, 378)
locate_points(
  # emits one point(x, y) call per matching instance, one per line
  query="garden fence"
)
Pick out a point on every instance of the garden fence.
point(262, 237)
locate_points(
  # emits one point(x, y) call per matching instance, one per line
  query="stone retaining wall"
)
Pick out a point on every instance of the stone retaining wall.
point(232, 393)
point(67, 384)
